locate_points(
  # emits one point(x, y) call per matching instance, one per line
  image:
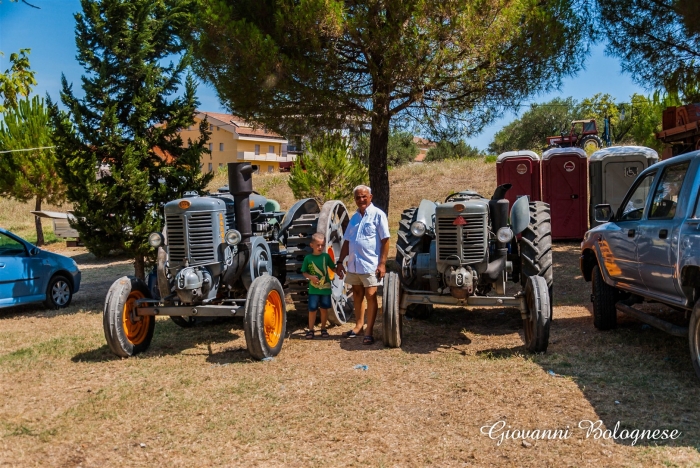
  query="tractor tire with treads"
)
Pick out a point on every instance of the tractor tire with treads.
point(407, 247)
point(392, 320)
point(127, 334)
point(331, 221)
point(535, 247)
point(265, 321)
point(590, 144)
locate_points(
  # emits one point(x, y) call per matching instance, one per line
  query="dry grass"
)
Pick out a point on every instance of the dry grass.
point(195, 398)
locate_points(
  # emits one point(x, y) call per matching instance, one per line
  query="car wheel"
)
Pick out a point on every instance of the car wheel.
point(694, 338)
point(59, 292)
point(604, 299)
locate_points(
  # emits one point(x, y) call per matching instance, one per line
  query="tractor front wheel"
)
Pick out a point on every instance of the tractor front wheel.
point(393, 320)
point(265, 322)
point(127, 334)
point(539, 316)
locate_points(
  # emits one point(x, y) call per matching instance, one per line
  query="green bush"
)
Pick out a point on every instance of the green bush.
point(327, 171)
point(448, 150)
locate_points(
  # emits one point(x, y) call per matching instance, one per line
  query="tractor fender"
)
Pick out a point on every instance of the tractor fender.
point(426, 214)
point(520, 215)
point(302, 207)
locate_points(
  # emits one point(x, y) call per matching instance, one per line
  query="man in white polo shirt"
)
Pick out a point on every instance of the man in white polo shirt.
point(366, 247)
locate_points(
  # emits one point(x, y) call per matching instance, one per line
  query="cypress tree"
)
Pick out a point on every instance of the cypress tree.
point(119, 149)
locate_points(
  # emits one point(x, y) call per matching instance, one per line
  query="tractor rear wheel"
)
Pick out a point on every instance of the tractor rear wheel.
point(391, 315)
point(694, 337)
point(331, 221)
point(539, 317)
point(127, 334)
point(536, 247)
point(407, 246)
point(590, 144)
point(265, 322)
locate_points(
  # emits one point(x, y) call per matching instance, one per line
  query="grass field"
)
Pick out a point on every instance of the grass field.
point(197, 399)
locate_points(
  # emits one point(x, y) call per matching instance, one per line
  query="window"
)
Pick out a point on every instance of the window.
point(271, 149)
point(633, 206)
point(257, 149)
point(211, 127)
point(10, 247)
point(221, 146)
point(210, 167)
point(270, 169)
point(663, 205)
point(211, 147)
point(221, 165)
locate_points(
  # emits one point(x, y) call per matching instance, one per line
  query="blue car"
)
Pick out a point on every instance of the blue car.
point(29, 274)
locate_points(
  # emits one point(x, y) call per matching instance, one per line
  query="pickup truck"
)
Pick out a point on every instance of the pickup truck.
point(649, 250)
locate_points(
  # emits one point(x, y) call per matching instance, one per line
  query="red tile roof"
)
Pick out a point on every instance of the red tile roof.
point(242, 127)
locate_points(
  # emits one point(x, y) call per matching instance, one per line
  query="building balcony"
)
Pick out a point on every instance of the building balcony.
point(270, 157)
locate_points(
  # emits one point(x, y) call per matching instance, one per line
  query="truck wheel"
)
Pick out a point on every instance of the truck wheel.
point(535, 247)
point(694, 338)
point(538, 315)
point(265, 321)
point(126, 333)
point(604, 299)
point(58, 293)
point(393, 320)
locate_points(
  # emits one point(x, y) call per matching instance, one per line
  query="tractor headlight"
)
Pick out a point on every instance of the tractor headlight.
point(418, 229)
point(155, 239)
point(504, 235)
point(232, 237)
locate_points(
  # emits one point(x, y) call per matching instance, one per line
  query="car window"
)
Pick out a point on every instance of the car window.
point(10, 247)
point(633, 206)
point(663, 205)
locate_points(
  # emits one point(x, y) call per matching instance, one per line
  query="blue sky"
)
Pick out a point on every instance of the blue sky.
point(49, 33)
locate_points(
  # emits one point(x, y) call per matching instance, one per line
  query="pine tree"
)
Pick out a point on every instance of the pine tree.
point(119, 148)
point(29, 174)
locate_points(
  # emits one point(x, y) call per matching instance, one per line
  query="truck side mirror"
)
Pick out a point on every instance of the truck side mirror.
point(603, 213)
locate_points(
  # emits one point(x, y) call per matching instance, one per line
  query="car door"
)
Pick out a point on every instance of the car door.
point(659, 234)
point(689, 244)
point(619, 243)
point(15, 277)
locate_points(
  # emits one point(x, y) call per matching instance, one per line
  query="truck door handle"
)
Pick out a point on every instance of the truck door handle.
point(574, 197)
point(2, 265)
point(663, 234)
point(631, 233)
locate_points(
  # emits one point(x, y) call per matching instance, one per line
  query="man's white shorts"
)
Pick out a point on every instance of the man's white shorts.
point(368, 280)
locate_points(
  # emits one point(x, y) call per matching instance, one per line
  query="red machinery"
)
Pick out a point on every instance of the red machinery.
point(680, 128)
point(583, 134)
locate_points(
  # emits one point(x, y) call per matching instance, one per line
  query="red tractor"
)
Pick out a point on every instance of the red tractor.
point(583, 134)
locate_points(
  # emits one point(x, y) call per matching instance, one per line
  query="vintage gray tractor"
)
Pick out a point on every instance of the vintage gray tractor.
point(462, 253)
point(228, 254)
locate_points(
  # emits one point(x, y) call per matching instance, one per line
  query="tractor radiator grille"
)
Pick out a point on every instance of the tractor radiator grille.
point(466, 243)
point(191, 236)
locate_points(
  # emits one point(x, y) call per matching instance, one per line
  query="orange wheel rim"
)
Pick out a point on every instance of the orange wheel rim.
point(135, 331)
point(272, 320)
point(331, 275)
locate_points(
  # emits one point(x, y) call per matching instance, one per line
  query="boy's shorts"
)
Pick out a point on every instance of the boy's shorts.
point(319, 300)
point(368, 280)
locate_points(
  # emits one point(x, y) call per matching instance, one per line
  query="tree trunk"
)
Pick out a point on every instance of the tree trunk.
point(139, 267)
point(378, 169)
point(37, 223)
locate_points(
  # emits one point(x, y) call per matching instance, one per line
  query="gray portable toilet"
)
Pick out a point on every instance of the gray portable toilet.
point(612, 171)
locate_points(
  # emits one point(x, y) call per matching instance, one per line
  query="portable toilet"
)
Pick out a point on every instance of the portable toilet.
point(565, 188)
point(522, 170)
point(612, 171)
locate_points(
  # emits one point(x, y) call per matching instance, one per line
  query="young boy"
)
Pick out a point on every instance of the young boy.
point(315, 269)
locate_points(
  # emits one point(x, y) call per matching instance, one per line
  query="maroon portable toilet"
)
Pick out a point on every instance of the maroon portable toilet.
point(522, 170)
point(565, 188)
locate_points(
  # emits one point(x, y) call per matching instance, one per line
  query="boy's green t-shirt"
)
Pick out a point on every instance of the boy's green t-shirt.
point(318, 265)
